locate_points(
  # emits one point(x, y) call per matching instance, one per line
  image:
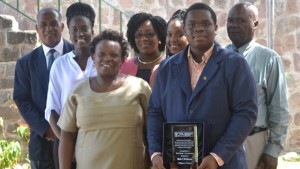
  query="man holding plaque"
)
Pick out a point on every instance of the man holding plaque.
point(202, 84)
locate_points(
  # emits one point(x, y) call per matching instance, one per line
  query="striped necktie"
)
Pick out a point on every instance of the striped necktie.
point(51, 58)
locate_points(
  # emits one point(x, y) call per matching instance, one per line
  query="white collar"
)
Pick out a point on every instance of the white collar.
point(59, 48)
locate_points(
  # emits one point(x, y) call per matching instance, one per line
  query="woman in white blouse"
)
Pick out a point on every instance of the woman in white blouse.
point(74, 66)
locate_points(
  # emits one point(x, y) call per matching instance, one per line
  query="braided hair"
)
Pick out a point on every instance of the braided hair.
point(177, 15)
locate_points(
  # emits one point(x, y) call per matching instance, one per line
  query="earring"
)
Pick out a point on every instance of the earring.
point(159, 42)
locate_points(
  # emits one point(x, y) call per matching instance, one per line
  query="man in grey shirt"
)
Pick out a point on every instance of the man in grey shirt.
point(266, 140)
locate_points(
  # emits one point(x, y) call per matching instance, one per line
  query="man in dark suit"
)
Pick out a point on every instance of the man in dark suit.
point(31, 85)
point(204, 83)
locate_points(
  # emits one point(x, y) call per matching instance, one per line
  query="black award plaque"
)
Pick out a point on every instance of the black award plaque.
point(185, 144)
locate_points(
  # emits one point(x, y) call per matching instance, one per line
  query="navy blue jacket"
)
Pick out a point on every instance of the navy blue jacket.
point(30, 95)
point(225, 97)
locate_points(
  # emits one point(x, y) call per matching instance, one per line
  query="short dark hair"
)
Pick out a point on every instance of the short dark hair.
point(48, 10)
point(112, 35)
point(159, 26)
point(80, 9)
point(201, 6)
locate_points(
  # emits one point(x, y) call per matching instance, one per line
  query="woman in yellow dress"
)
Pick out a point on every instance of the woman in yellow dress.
point(107, 112)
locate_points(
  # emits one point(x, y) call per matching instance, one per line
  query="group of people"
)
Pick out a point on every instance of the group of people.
point(95, 107)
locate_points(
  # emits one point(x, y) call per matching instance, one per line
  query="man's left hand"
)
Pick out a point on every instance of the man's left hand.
point(267, 162)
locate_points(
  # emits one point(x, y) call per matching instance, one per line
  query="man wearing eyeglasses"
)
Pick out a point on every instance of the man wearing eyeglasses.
point(31, 85)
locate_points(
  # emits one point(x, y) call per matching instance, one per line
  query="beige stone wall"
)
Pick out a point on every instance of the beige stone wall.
point(286, 38)
point(13, 44)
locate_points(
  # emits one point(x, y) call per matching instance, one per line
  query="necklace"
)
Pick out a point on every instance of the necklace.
point(145, 63)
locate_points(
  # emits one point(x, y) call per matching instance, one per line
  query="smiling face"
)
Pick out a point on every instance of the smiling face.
point(108, 58)
point(80, 31)
point(146, 39)
point(176, 40)
point(200, 29)
point(49, 27)
point(241, 24)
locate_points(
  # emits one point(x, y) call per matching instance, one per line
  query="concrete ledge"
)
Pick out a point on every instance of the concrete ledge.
point(17, 37)
point(8, 22)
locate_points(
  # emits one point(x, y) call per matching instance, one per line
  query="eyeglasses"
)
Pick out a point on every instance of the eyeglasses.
point(148, 35)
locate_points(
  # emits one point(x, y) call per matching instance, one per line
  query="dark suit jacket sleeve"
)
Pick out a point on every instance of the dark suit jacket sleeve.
point(22, 97)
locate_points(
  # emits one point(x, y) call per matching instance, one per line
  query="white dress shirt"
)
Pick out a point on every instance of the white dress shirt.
point(59, 50)
point(64, 74)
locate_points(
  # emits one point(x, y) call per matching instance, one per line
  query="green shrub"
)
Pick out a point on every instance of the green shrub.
point(23, 132)
point(10, 152)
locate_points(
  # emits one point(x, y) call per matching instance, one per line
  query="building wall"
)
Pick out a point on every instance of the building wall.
point(13, 44)
point(286, 40)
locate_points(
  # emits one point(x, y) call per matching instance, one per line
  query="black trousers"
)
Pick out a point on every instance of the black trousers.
point(55, 153)
point(45, 164)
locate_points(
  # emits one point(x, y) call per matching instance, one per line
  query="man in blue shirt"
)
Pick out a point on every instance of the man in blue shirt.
point(266, 139)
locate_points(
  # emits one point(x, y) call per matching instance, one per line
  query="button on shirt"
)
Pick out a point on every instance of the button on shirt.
point(268, 72)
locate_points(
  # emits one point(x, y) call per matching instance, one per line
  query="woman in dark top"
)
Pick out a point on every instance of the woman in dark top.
point(146, 34)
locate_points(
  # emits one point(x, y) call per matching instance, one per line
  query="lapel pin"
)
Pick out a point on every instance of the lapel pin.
point(204, 77)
